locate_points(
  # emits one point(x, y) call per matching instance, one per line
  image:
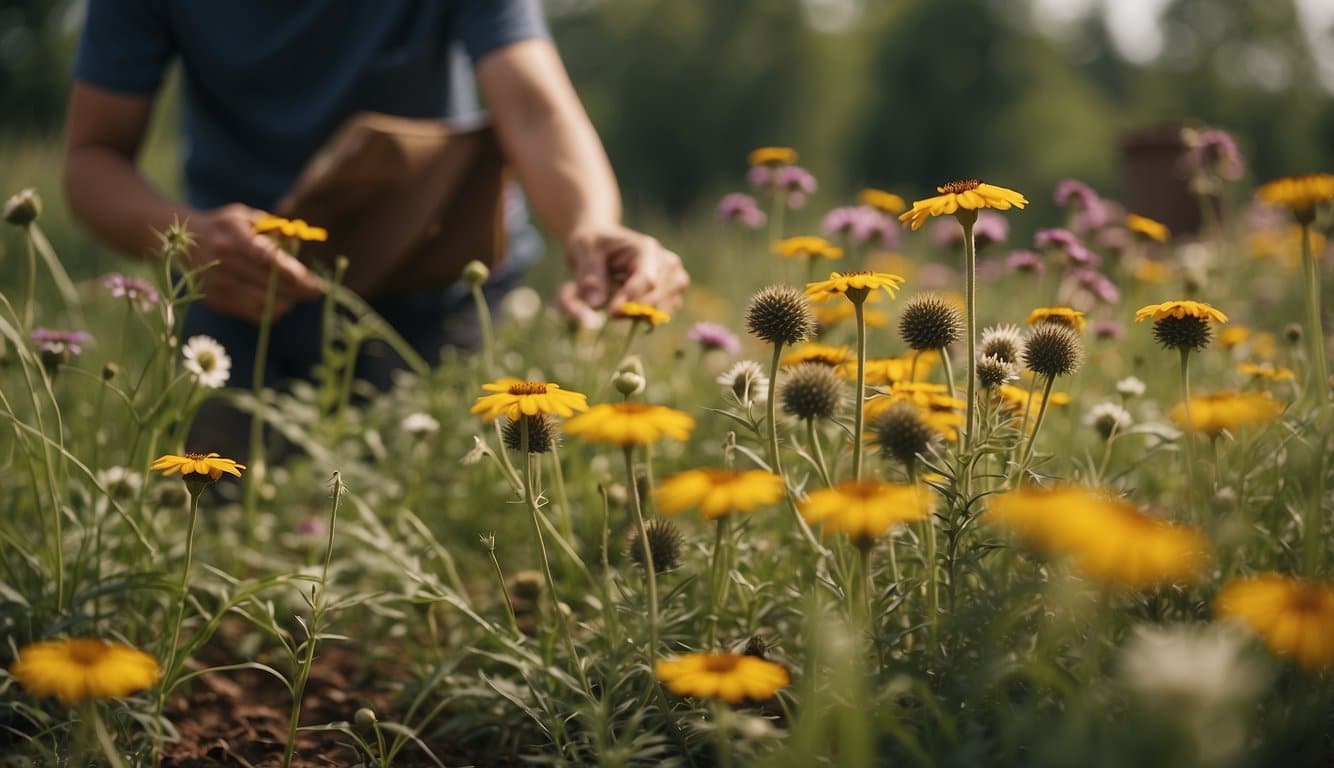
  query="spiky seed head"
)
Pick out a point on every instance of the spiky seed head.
point(526, 586)
point(930, 322)
point(755, 646)
point(779, 314)
point(1188, 332)
point(993, 371)
point(901, 433)
point(811, 391)
point(664, 544)
point(542, 434)
point(1003, 342)
point(1293, 333)
point(1052, 349)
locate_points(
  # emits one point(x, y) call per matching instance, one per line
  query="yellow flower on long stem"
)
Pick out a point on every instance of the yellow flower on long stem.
point(209, 465)
point(853, 285)
point(719, 492)
point(1147, 227)
point(630, 423)
point(1067, 316)
point(732, 677)
point(867, 509)
point(886, 202)
point(772, 156)
point(893, 370)
point(79, 669)
point(1215, 412)
point(294, 228)
point(1266, 371)
point(1108, 538)
point(807, 247)
point(832, 314)
point(1294, 617)
point(1178, 310)
point(1299, 194)
point(514, 398)
point(633, 310)
point(824, 354)
point(969, 195)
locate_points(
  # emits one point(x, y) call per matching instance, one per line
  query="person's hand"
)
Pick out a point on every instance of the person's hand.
point(237, 282)
point(613, 265)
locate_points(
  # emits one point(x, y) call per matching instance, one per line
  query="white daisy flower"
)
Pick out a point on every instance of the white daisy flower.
point(746, 382)
point(1130, 387)
point(1003, 342)
point(207, 361)
point(419, 425)
point(1109, 418)
point(121, 483)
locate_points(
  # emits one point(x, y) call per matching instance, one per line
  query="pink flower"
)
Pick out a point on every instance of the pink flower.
point(1026, 262)
point(741, 209)
point(714, 336)
point(140, 294)
point(861, 224)
point(59, 342)
point(1067, 242)
point(990, 228)
point(1090, 211)
point(1095, 283)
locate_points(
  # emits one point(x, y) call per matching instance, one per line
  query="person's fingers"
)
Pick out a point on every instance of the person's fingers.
point(240, 298)
point(295, 280)
point(590, 271)
point(570, 301)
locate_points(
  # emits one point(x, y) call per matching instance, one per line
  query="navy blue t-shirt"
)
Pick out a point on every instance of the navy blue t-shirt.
point(268, 81)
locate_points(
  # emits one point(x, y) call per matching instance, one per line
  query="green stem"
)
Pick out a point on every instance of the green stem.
point(970, 316)
point(30, 293)
point(949, 371)
point(771, 410)
point(650, 569)
point(859, 410)
point(530, 497)
point(500, 579)
point(1314, 320)
point(169, 676)
point(100, 733)
point(717, 577)
point(814, 437)
point(258, 470)
point(488, 333)
point(1037, 426)
point(1188, 434)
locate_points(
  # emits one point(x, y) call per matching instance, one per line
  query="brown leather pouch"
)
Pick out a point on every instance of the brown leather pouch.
point(408, 201)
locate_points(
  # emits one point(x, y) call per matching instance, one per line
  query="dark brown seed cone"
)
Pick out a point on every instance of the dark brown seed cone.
point(779, 314)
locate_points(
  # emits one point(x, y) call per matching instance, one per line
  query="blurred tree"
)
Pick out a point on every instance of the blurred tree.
point(36, 42)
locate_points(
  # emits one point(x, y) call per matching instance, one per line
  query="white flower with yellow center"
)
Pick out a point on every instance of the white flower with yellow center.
point(207, 361)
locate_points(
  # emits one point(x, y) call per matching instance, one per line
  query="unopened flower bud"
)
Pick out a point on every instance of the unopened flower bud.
point(110, 371)
point(475, 273)
point(365, 718)
point(1293, 333)
point(628, 383)
point(23, 208)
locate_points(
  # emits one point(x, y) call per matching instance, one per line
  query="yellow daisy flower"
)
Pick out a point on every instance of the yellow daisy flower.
point(1266, 371)
point(1147, 227)
point(1071, 318)
point(633, 310)
point(967, 195)
point(866, 509)
point(1233, 337)
point(1108, 538)
point(79, 669)
point(852, 285)
point(718, 492)
point(1015, 399)
point(297, 228)
point(1152, 272)
point(1299, 194)
point(886, 202)
point(209, 465)
point(1178, 310)
point(732, 677)
point(1285, 247)
point(1213, 413)
point(513, 398)
point(1294, 617)
point(829, 315)
point(630, 424)
point(938, 410)
point(882, 371)
point(807, 247)
point(772, 156)
point(824, 354)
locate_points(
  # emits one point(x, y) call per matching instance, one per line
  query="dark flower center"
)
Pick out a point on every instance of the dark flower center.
point(955, 187)
point(528, 388)
point(720, 664)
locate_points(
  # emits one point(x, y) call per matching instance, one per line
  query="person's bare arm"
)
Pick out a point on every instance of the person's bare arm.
point(104, 132)
point(562, 166)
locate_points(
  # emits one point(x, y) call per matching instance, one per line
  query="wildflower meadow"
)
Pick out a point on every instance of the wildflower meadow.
point(893, 488)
